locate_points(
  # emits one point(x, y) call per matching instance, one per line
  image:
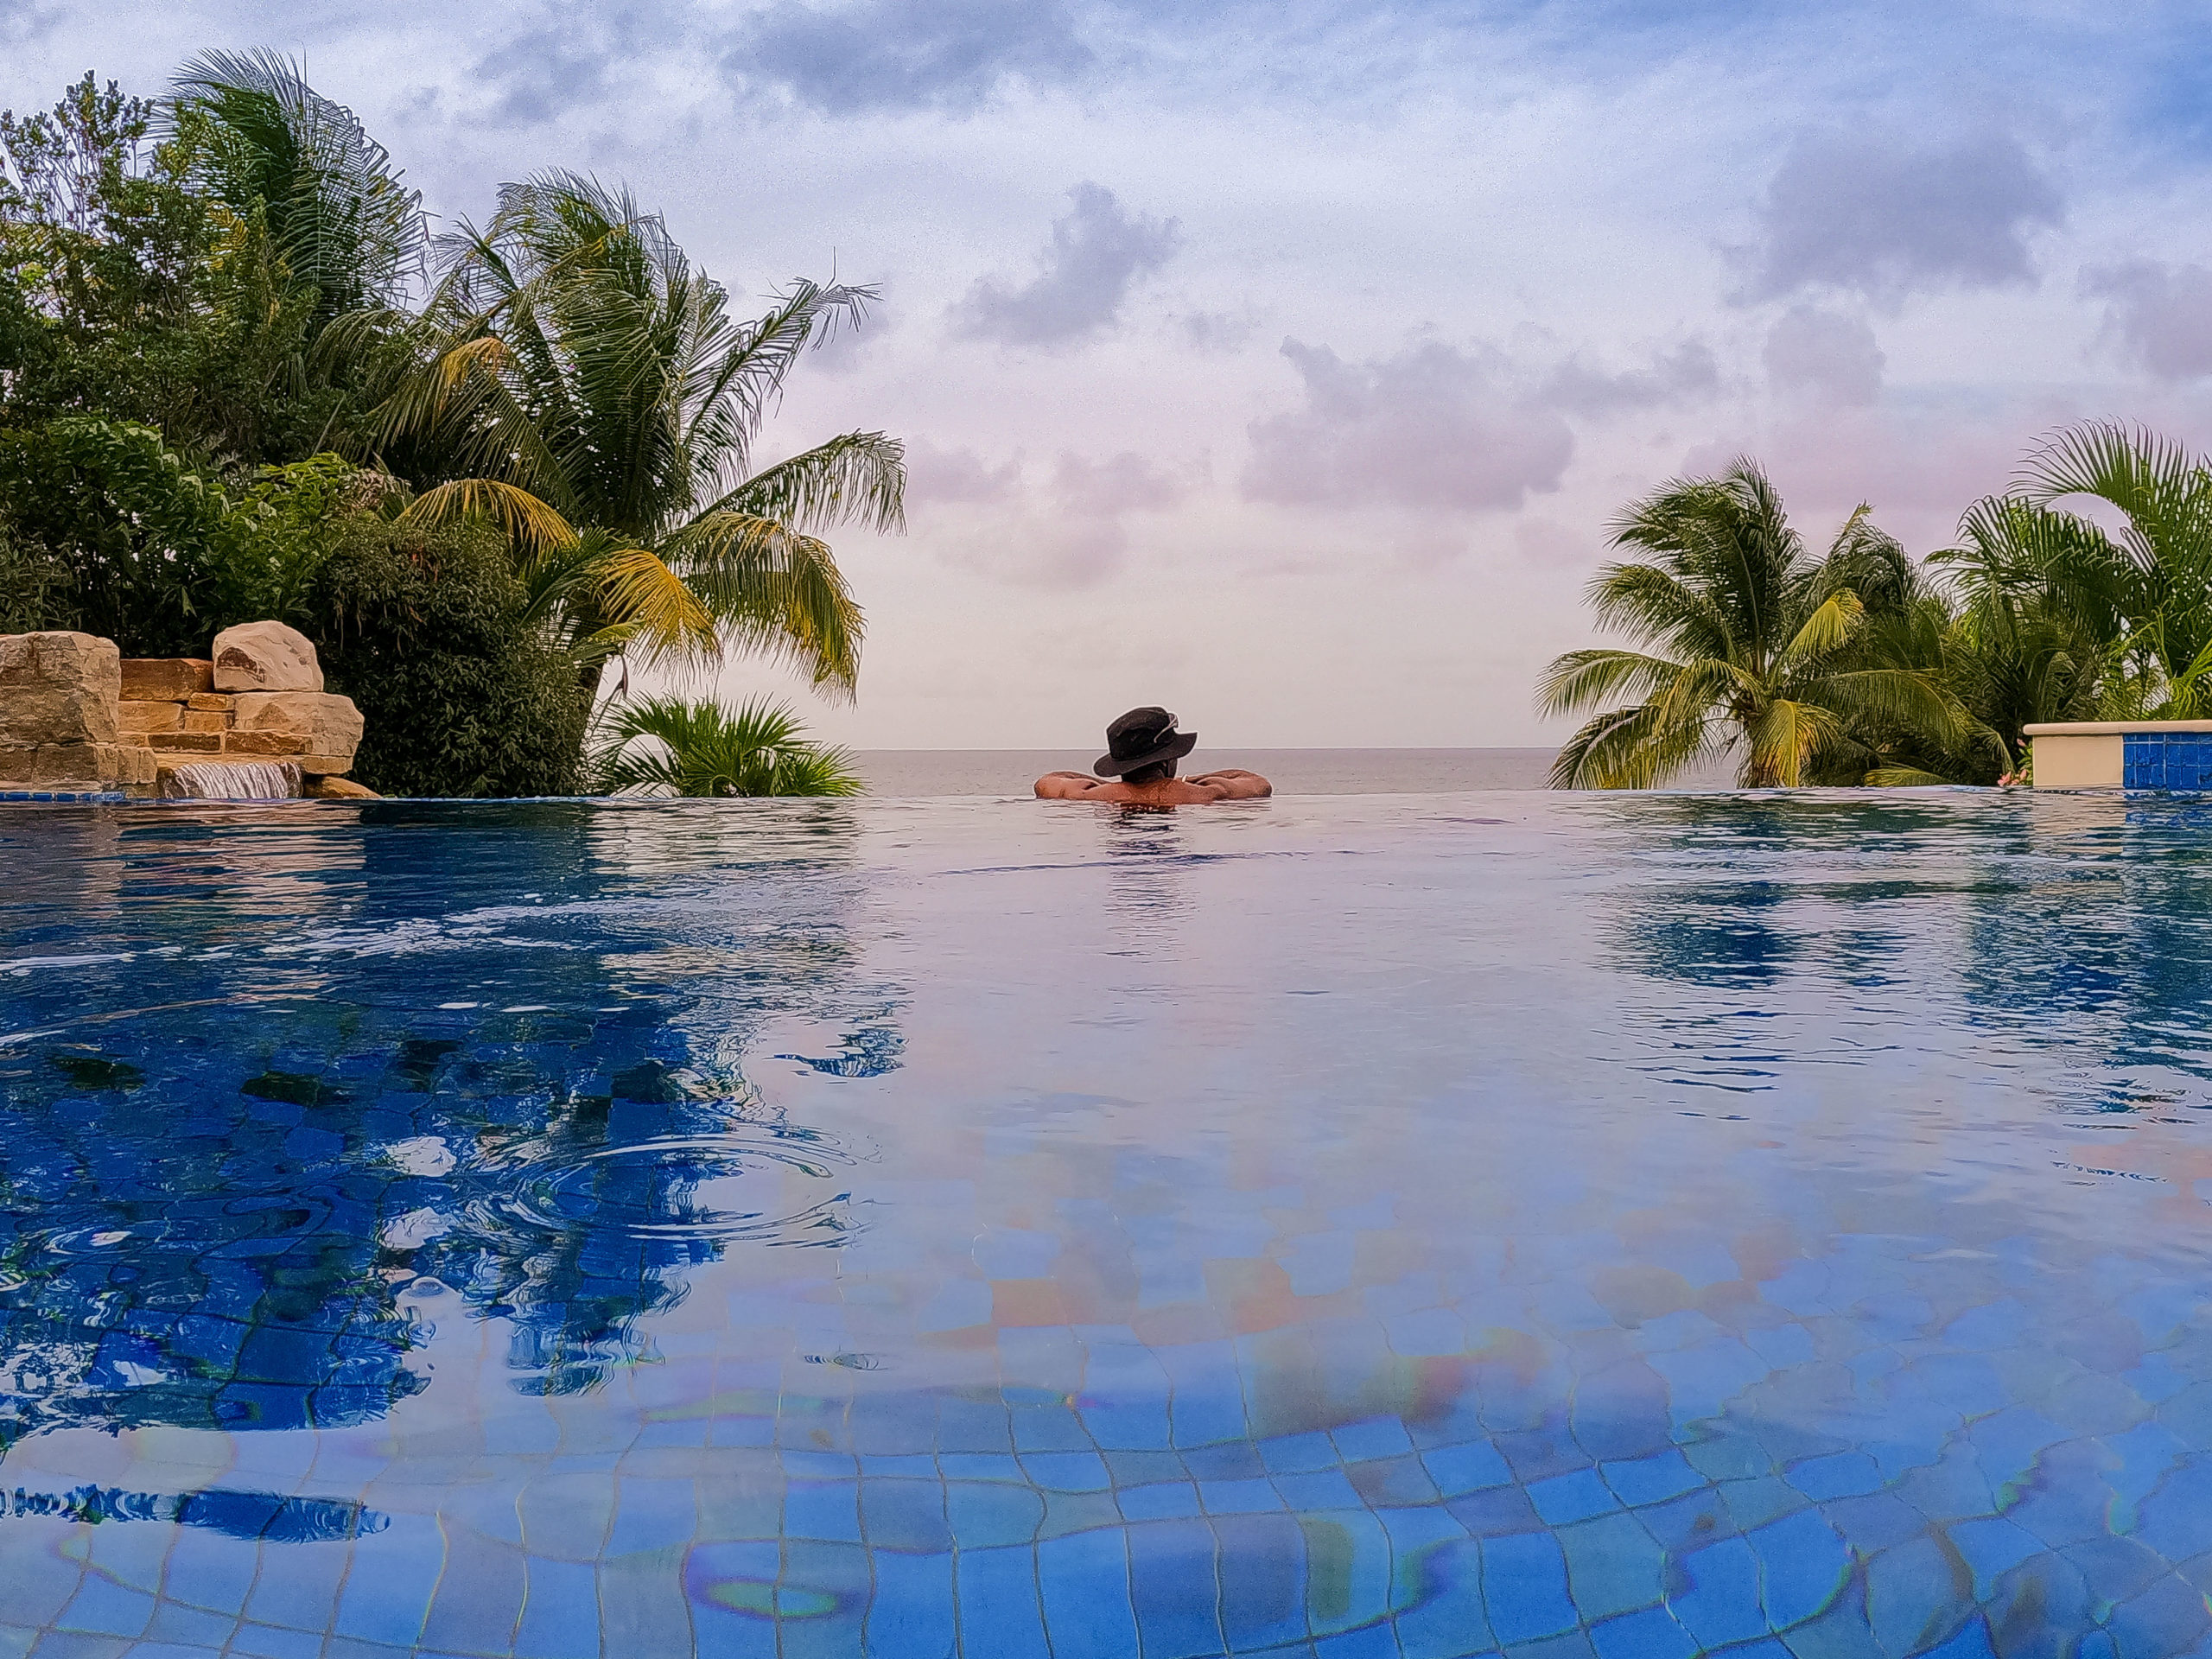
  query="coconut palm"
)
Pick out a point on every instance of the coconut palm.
point(666, 746)
point(337, 212)
point(1747, 641)
point(583, 385)
point(2140, 600)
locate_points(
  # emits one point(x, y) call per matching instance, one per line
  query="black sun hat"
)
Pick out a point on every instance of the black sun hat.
point(1142, 737)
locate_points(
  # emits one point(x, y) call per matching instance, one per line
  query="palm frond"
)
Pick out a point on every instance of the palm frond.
point(666, 616)
point(529, 523)
point(857, 477)
point(668, 745)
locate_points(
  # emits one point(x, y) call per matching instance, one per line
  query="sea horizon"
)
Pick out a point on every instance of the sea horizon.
point(1380, 770)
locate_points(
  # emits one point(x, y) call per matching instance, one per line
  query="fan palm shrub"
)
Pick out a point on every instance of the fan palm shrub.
point(671, 745)
point(1746, 642)
point(580, 384)
point(2126, 614)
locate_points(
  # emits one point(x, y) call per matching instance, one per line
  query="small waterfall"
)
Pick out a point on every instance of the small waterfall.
point(231, 780)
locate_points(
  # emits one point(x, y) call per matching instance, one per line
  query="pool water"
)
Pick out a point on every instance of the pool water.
point(1372, 1226)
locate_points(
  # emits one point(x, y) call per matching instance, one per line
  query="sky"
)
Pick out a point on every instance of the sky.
point(1284, 364)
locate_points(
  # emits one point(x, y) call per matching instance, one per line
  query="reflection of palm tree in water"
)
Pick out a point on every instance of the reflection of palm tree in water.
point(180, 1246)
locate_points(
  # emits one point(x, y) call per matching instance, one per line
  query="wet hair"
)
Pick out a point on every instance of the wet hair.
point(1152, 773)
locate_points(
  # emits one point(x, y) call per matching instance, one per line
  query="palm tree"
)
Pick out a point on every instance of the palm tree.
point(664, 746)
point(583, 385)
point(1748, 642)
point(2133, 610)
point(337, 212)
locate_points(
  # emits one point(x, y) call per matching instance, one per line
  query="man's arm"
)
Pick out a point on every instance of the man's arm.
point(1067, 785)
point(1235, 784)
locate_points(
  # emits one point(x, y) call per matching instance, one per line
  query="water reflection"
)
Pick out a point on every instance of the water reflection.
point(245, 1148)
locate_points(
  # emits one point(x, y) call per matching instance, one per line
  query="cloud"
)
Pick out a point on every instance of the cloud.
point(1689, 371)
point(1432, 428)
point(1833, 356)
point(2158, 315)
point(1122, 483)
point(575, 61)
point(1213, 331)
point(1889, 221)
point(935, 475)
point(906, 54)
point(1098, 251)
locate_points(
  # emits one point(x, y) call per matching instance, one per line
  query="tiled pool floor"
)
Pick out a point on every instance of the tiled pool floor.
point(1368, 1227)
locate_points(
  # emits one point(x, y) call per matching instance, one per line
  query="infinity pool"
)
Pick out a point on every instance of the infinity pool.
point(1373, 1226)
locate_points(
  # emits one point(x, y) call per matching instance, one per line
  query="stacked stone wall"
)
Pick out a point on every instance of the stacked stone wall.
point(75, 714)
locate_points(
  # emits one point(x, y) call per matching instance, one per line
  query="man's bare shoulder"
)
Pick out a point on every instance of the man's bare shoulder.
point(1235, 783)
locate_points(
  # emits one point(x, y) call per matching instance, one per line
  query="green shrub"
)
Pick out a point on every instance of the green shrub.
point(459, 694)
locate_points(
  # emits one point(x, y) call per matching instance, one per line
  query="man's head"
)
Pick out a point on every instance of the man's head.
point(1143, 745)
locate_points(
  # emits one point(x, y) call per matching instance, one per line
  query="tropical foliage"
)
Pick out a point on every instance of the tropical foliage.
point(667, 745)
point(238, 378)
point(1863, 666)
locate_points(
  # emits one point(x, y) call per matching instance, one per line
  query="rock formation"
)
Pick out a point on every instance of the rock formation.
point(58, 719)
point(76, 716)
point(265, 657)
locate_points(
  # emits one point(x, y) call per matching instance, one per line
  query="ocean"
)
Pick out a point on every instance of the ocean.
point(918, 773)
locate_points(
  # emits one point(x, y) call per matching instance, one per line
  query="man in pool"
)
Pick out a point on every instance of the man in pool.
point(1139, 769)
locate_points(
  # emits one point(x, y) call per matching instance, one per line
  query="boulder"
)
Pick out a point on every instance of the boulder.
point(166, 679)
point(265, 657)
point(337, 789)
point(57, 688)
point(326, 725)
point(80, 766)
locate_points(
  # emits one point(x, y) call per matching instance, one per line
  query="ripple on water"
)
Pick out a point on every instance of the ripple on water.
point(763, 1185)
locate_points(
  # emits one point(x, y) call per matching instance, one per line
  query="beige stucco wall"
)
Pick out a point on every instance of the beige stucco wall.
point(2079, 760)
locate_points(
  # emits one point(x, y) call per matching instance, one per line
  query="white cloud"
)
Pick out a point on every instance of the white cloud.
point(1832, 356)
point(2158, 315)
point(957, 474)
point(1098, 251)
point(1430, 427)
point(1887, 219)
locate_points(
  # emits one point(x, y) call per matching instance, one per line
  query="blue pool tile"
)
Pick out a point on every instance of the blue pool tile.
point(1375, 1437)
point(905, 1514)
point(1443, 1614)
point(1652, 1634)
point(1086, 1582)
point(102, 1607)
point(998, 1602)
point(1842, 1474)
point(1327, 1488)
point(1907, 1590)
point(828, 1510)
point(1654, 1479)
point(1970, 1642)
point(1350, 1582)
point(1239, 1496)
point(1161, 1501)
point(987, 1515)
point(1176, 1593)
point(1299, 1454)
point(1576, 1497)
point(1614, 1566)
point(913, 1610)
point(1524, 1587)
point(1266, 1582)
point(273, 1642)
point(1067, 1471)
point(1719, 1600)
point(560, 1618)
point(1803, 1567)
point(387, 1594)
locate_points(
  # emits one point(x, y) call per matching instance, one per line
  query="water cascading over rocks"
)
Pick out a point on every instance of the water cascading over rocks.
point(251, 721)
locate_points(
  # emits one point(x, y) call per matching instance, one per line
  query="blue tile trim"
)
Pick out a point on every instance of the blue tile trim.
point(74, 796)
point(2166, 760)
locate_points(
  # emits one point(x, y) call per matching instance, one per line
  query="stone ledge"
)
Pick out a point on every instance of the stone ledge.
point(166, 679)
